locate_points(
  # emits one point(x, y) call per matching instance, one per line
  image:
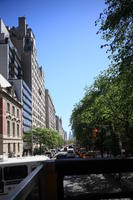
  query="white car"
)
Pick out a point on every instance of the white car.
point(71, 153)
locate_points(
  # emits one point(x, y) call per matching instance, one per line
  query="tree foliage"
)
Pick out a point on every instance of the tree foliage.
point(116, 26)
point(43, 138)
point(103, 106)
point(108, 103)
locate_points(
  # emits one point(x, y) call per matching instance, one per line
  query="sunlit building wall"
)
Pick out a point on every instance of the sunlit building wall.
point(10, 61)
point(10, 68)
point(50, 111)
point(33, 75)
point(11, 141)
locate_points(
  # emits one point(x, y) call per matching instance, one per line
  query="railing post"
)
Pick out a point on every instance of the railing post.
point(42, 185)
point(50, 182)
point(60, 188)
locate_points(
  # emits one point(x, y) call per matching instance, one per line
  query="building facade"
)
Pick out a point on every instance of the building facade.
point(33, 75)
point(10, 61)
point(11, 142)
point(18, 64)
point(59, 126)
point(11, 69)
point(65, 135)
point(50, 111)
point(24, 95)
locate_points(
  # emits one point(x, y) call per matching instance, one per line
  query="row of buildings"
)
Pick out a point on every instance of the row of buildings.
point(24, 100)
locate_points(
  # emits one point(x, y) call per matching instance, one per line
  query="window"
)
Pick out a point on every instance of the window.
point(18, 147)
point(13, 110)
point(21, 172)
point(13, 129)
point(8, 108)
point(18, 130)
point(14, 147)
point(17, 113)
point(8, 128)
point(9, 148)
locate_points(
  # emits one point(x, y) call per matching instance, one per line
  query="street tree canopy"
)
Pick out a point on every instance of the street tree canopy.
point(108, 103)
point(44, 137)
point(116, 26)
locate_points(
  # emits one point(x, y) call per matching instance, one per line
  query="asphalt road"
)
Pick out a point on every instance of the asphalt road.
point(77, 185)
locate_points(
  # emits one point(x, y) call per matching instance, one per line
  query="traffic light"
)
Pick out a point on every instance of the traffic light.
point(95, 131)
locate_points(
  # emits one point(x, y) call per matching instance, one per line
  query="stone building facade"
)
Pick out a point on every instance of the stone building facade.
point(10, 61)
point(24, 40)
point(19, 65)
point(11, 142)
point(11, 69)
point(50, 111)
point(59, 126)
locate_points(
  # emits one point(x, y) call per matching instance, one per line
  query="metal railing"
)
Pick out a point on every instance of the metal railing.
point(25, 187)
point(49, 177)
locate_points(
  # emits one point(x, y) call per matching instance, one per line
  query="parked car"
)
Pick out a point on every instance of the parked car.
point(87, 154)
point(61, 155)
point(71, 153)
point(65, 155)
point(48, 153)
point(53, 152)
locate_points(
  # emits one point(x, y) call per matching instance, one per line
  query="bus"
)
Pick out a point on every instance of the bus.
point(14, 170)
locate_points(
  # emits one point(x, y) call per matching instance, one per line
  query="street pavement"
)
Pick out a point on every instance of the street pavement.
point(77, 185)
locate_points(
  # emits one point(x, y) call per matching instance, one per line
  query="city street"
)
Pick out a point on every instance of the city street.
point(77, 185)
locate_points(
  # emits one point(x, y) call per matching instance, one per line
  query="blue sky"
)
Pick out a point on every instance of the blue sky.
point(67, 45)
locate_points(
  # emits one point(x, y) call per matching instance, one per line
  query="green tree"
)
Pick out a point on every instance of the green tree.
point(108, 103)
point(116, 26)
point(44, 138)
point(117, 29)
point(102, 107)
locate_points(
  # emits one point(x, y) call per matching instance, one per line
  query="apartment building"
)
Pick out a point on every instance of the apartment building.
point(59, 126)
point(33, 75)
point(65, 135)
point(24, 95)
point(11, 143)
point(50, 111)
point(18, 64)
point(10, 63)
point(11, 69)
